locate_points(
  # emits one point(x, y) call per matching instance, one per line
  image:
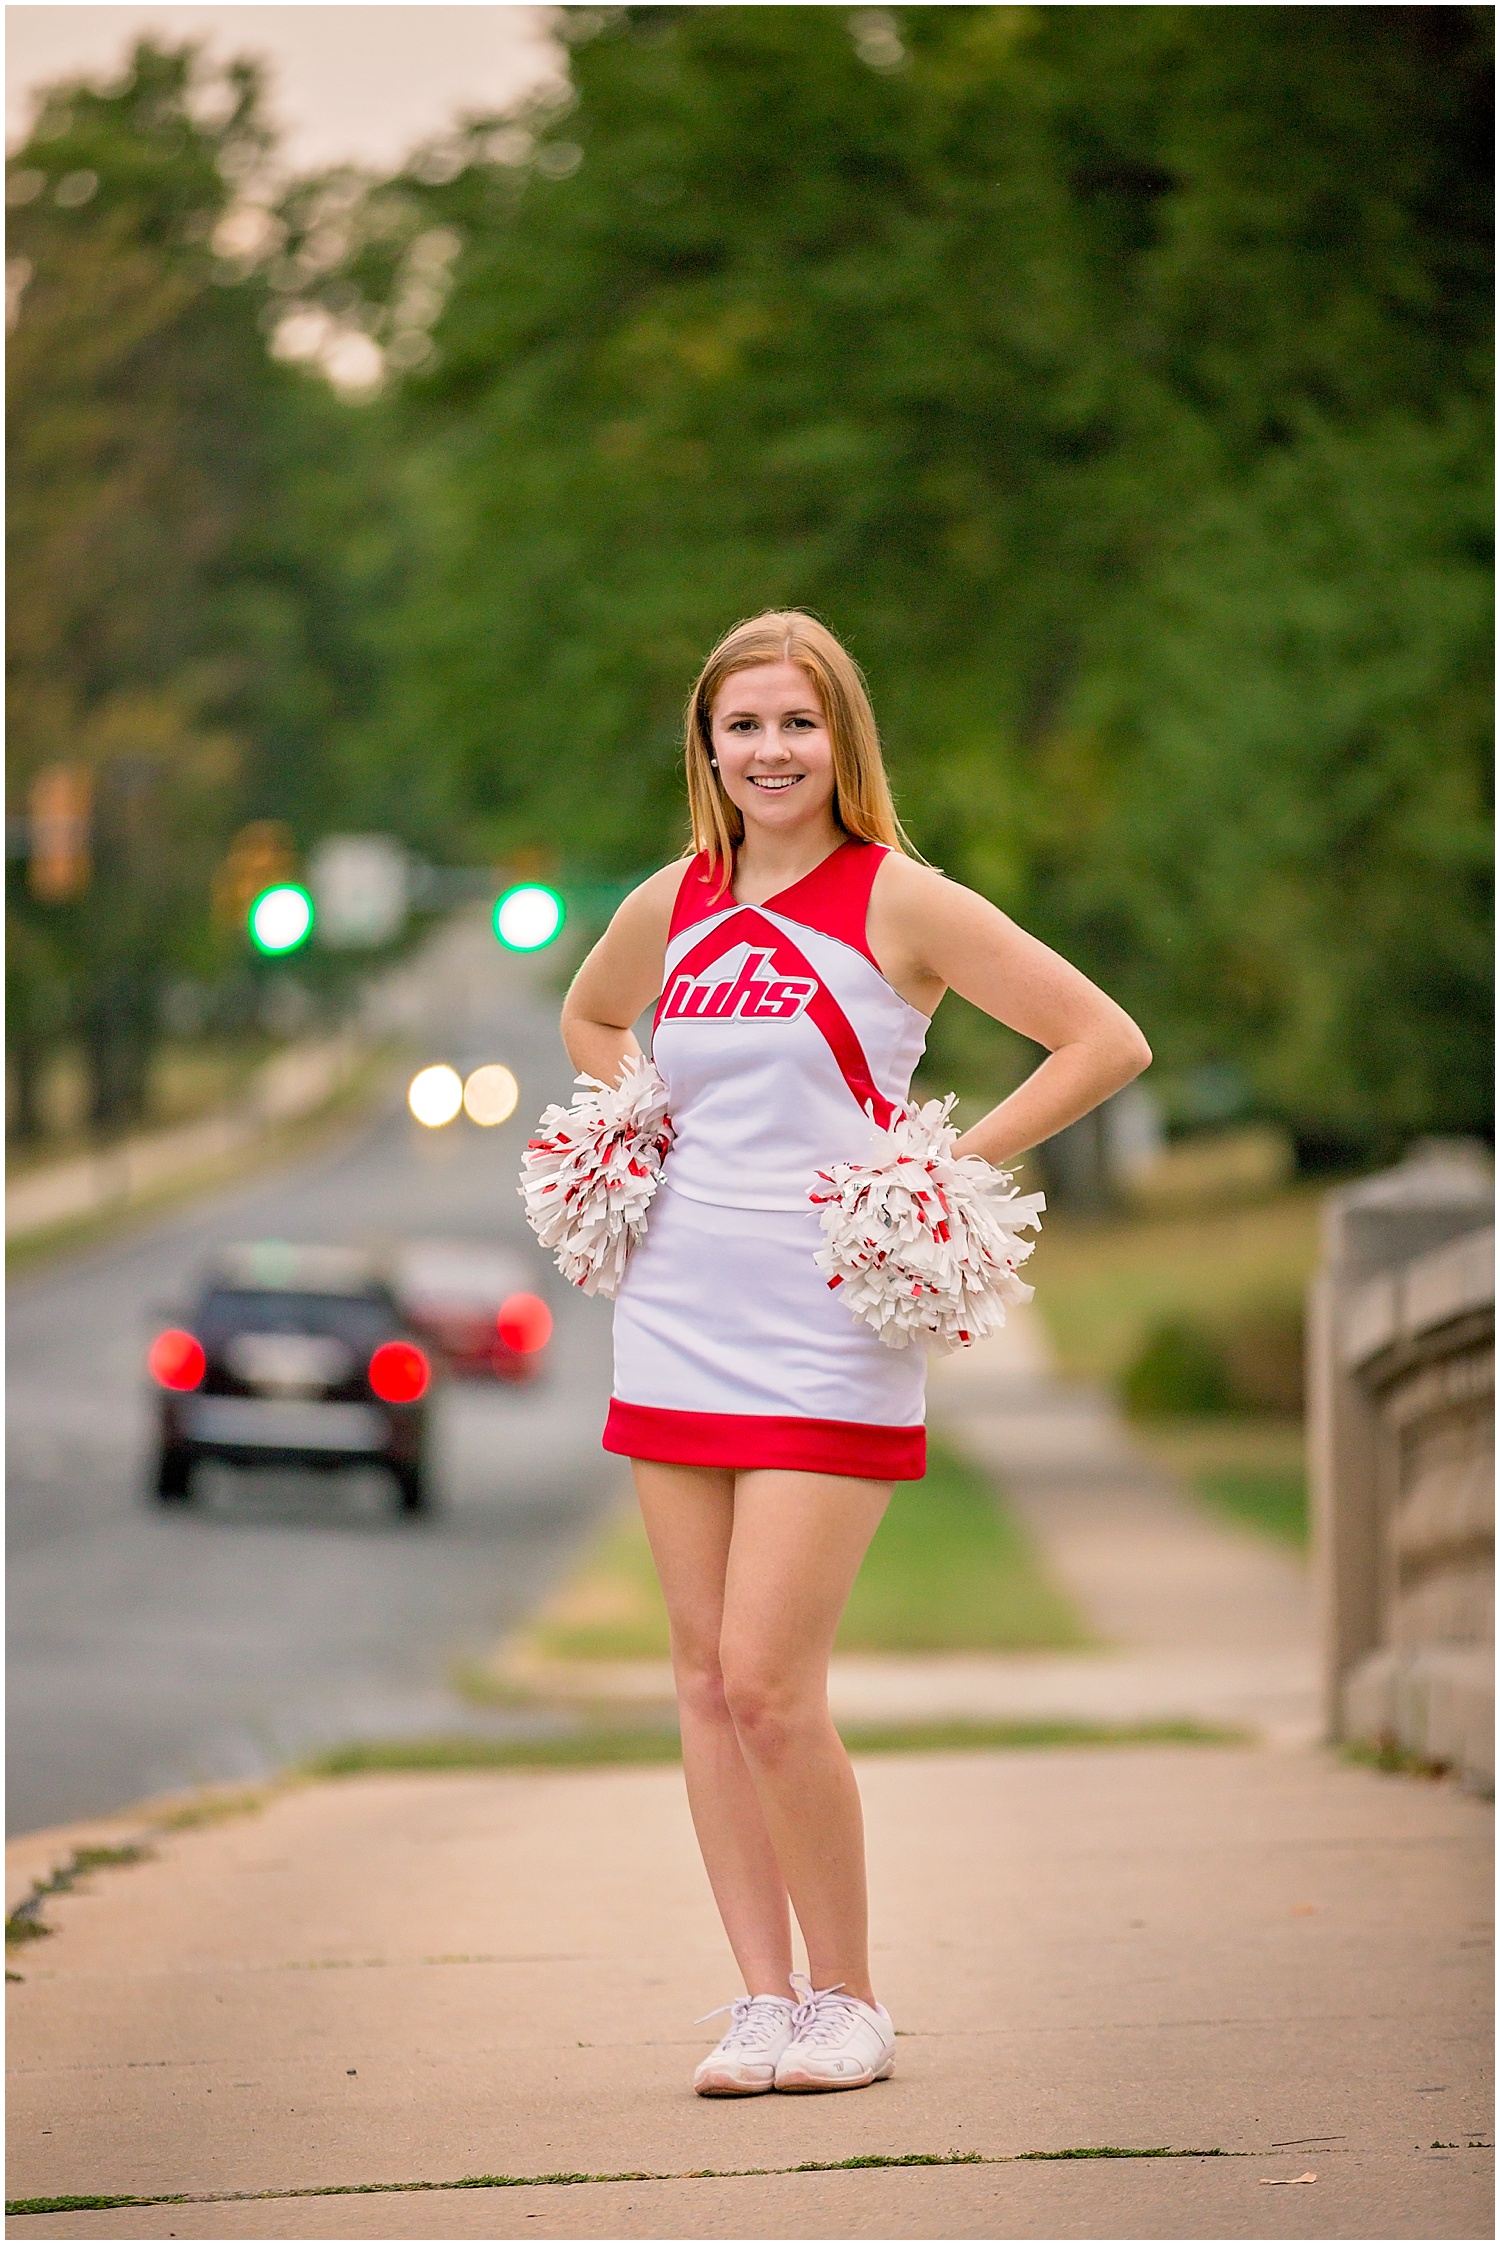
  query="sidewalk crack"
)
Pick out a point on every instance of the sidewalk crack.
point(78, 2204)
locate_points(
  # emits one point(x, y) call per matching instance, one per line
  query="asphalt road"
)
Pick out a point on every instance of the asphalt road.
point(152, 1649)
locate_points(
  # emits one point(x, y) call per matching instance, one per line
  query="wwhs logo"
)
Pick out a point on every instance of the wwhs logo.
point(756, 993)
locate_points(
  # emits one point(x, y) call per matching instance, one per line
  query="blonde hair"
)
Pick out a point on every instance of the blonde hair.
point(862, 804)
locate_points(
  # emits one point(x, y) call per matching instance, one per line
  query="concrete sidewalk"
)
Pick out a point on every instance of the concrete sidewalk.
point(291, 1087)
point(1196, 1615)
point(402, 1982)
point(1263, 1962)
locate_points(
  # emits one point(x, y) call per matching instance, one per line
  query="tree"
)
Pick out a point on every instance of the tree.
point(1108, 378)
point(1111, 379)
point(189, 530)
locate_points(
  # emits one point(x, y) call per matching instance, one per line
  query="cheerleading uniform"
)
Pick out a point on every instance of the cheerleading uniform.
point(782, 1047)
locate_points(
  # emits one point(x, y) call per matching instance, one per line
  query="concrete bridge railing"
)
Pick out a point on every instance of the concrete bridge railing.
point(1401, 1341)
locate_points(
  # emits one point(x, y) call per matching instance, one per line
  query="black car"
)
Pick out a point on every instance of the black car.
point(294, 1356)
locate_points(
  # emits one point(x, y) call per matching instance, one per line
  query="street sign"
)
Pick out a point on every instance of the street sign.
point(360, 885)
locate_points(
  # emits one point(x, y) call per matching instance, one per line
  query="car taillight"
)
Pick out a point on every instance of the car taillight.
point(399, 1372)
point(524, 1323)
point(176, 1360)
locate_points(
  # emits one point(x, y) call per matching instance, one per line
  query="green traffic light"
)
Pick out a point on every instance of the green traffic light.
point(528, 918)
point(281, 919)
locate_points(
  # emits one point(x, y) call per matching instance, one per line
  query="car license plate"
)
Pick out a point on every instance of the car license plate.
point(270, 1425)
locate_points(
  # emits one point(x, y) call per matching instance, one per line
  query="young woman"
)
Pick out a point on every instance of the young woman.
point(798, 958)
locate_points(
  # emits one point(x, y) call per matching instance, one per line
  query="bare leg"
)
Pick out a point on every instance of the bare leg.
point(689, 1516)
point(797, 1543)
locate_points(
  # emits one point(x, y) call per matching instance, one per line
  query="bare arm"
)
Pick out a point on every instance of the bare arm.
point(619, 979)
point(930, 935)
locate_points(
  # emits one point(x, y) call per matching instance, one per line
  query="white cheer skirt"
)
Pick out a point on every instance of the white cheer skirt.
point(732, 1351)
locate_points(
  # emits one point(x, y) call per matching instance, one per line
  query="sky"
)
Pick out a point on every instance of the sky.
point(357, 83)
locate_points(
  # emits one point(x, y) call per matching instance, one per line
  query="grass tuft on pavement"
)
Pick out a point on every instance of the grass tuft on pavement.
point(1120, 2151)
point(1388, 1755)
point(24, 1922)
point(951, 1569)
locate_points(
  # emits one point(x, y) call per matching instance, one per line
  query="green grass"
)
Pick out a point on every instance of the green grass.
point(603, 1746)
point(1275, 1503)
point(950, 1570)
point(611, 1607)
point(1102, 1286)
point(1390, 1756)
point(1249, 1469)
point(593, 1746)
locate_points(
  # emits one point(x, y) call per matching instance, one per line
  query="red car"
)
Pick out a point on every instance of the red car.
point(471, 1301)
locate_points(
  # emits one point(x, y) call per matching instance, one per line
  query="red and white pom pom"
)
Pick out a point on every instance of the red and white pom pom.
point(589, 1174)
point(925, 1243)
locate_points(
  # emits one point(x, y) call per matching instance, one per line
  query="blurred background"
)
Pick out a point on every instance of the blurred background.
point(402, 402)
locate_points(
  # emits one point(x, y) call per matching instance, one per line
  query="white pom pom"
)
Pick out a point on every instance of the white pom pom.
point(924, 1243)
point(589, 1174)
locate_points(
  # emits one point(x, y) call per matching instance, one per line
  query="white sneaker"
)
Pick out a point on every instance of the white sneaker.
point(837, 2041)
point(744, 2063)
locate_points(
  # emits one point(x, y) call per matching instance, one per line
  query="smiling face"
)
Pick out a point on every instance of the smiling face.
point(775, 755)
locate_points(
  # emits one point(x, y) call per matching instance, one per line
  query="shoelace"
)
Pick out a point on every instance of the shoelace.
point(751, 2025)
point(822, 2013)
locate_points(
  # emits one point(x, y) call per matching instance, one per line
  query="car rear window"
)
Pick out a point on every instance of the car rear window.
point(359, 1319)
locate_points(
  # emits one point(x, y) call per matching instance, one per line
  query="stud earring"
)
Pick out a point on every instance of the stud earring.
point(715, 762)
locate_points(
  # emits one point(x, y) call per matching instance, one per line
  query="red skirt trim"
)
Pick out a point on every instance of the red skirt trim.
point(740, 1443)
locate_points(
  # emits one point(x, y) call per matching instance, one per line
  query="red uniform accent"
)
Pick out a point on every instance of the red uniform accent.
point(740, 1444)
point(834, 897)
point(754, 995)
point(822, 1007)
point(703, 890)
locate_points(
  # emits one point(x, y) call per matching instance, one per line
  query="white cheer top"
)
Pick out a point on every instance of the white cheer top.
point(777, 1035)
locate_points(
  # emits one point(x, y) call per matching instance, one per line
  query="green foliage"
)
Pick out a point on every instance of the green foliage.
point(1180, 1371)
point(1247, 1359)
point(1111, 379)
point(1302, 697)
point(186, 575)
point(1114, 380)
